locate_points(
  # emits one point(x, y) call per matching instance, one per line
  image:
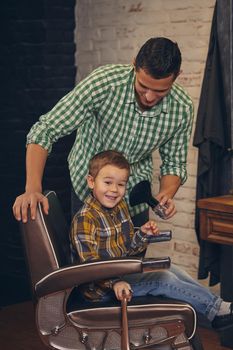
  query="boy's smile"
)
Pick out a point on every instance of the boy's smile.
point(109, 185)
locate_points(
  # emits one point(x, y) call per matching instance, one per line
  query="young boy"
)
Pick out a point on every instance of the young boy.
point(103, 229)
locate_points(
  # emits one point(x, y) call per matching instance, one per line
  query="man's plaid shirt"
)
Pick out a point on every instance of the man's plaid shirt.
point(103, 110)
point(99, 233)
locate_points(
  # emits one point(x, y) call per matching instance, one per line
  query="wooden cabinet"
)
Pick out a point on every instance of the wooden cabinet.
point(216, 219)
point(216, 225)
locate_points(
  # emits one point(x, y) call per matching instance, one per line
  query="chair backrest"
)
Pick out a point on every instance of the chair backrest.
point(46, 240)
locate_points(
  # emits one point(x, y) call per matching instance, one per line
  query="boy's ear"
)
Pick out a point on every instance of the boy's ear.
point(90, 181)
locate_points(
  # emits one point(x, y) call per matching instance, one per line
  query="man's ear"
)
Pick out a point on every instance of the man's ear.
point(90, 181)
point(180, 72)
point(134, 63)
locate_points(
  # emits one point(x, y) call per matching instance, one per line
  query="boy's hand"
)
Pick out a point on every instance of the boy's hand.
point(121, 286)
point(150, 228)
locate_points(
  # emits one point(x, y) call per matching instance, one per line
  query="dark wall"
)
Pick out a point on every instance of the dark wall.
point(37, 68)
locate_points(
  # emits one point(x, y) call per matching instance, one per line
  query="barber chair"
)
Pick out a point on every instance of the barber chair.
point(64, 321)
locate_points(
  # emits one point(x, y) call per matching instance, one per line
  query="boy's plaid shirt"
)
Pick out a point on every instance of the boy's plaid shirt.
point(103, 110)
point(99, 233)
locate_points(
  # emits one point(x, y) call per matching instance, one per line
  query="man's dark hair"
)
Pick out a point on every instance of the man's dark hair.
point(159, 57)
point(109, 157)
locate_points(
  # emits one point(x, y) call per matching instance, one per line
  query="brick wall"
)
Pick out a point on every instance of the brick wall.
point(110, 31)
point(37, 69)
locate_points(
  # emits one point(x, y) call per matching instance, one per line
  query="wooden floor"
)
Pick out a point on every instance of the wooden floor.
point(17, 330)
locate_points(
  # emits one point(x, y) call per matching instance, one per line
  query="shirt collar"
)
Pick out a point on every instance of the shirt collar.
point(95, 204)
point(130, 89)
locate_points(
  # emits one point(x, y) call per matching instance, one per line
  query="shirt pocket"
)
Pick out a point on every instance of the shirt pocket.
point(104, 236)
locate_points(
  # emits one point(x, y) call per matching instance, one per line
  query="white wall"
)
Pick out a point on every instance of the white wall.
point(112, 31)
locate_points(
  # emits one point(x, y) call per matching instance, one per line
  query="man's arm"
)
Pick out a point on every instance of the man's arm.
point(174, 162)
point(65, 117)
point(169, 185)
point(36, 157)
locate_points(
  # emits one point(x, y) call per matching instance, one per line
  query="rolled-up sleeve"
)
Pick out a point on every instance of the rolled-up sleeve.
point(66, 116)
point(174, 152)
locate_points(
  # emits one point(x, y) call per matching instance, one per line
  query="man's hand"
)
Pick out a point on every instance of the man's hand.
point(168, 204)
point(35, 162)
point(29, 200)
point(121, 288)
point(169, 185)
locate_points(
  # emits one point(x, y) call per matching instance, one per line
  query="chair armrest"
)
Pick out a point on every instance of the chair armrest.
point(153, 264)
point(74, 275)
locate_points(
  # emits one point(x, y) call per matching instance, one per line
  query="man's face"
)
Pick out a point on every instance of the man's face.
point(150, 91)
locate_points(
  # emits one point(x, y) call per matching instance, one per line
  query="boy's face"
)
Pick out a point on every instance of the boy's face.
point(109, 185)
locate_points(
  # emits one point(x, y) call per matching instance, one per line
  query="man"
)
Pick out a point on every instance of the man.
point(133, 109)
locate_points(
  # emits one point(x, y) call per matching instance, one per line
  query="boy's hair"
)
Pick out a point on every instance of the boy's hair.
point(159, 57)
point(109, 157)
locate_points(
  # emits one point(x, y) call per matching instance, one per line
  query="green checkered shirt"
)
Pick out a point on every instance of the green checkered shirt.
point(103, 110)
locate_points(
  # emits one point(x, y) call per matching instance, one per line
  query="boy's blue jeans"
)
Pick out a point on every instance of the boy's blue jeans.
point(176, 284)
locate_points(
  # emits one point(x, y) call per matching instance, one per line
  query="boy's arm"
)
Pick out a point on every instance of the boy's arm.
point(83, 231)
point(138, 244)
point(142, 236)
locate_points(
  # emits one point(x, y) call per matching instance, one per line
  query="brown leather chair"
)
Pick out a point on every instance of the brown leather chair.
point(66, 322)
